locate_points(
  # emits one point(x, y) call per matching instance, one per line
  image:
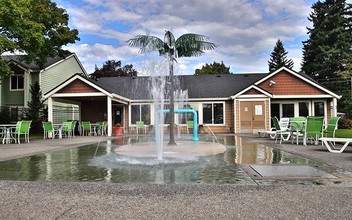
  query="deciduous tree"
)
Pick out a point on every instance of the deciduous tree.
point(213, 68)
point(112, 68)
point(37, 28)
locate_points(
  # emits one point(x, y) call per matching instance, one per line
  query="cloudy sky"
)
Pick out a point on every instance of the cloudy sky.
point(244, 30)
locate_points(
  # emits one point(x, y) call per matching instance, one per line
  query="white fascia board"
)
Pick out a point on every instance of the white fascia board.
point(71, 80)
point(301, 96)
point(80, 64)
point(189, 100)
point(95, 94)
point(252, 96)
point(118, 97)
point(210, 99)
point(58, 62)
point(265, 93)
point(19, 65)
point(300, 77)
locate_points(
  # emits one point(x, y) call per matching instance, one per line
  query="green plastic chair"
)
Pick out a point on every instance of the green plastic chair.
point(314, 129)
point(48, 128)
point(297, 128)
point(22, 127)
point(100, 127)
point(190, 125)
point(280, 132)
point(331, 127)
point(140, 124)
point(86, 128)
point(67, 128)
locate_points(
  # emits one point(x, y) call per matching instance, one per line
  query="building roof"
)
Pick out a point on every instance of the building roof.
point(198, 86)
point(31, 66)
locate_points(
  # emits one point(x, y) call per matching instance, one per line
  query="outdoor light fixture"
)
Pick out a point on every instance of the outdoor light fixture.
point(271, 83)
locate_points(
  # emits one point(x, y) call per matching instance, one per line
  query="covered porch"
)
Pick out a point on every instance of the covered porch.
point(92, 103)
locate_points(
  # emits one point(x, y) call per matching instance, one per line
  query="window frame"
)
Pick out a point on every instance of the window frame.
point(140, 113)
point(212, 109)
point(11, 79)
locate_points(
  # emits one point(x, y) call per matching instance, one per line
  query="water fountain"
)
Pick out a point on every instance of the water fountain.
point(186, 149)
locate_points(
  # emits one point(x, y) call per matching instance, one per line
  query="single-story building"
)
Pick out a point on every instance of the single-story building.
point(227, 103)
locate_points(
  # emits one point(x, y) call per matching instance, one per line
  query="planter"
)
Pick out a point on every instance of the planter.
point(117, 131)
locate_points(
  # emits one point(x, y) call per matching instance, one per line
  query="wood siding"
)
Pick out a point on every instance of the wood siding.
point(59, 73)
point(77, 86)
point(288, 84)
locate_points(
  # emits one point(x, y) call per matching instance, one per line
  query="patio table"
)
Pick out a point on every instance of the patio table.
point(8, 136)
point(59, 129)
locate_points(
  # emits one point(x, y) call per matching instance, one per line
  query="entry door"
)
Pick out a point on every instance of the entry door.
point(119, 115)
point(252, 116)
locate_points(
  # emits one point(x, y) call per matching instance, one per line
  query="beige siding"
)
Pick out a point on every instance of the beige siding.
point(59, 73)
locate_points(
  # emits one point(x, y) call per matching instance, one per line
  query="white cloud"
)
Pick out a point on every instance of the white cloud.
point(245, 31)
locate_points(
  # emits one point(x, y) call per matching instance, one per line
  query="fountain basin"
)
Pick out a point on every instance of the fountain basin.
point(183, 149)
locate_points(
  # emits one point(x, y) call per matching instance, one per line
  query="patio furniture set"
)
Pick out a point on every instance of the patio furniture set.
point(11, 133)
point(306, 129)
point(67, 129)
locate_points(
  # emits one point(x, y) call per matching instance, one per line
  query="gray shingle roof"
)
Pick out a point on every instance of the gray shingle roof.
point(202, 86)
point(31, 66)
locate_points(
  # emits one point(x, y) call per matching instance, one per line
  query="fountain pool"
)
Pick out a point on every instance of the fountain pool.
point(106, 162)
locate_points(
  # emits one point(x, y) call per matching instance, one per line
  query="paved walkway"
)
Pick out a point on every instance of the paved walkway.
point(62, 200)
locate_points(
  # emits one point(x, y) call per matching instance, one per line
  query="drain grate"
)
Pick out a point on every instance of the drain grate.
point(290, 171)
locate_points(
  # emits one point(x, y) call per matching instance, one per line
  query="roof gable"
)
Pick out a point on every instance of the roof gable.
point(84, 86)
point(288, 82)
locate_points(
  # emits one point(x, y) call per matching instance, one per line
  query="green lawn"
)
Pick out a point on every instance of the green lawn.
point(343, 133)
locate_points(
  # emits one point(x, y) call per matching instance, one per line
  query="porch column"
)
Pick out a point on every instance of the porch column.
point(50, 109)
point(334, 107)
point(109, 109)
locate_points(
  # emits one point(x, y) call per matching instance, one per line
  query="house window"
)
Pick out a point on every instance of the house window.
point(140, 113)
point(213, 113)
point(303, 109)
point(16, 82)
point(319, 109)
point(184, 117)
point(288, 110)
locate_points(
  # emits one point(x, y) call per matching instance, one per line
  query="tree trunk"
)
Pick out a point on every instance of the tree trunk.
point(172, 100)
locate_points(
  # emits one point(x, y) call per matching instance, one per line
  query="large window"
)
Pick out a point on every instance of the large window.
point(213, 113)
point(140, 113)
point(318, 108)
point(303, 109)
point(288, 110)
point(16, 82)
point(184, 117)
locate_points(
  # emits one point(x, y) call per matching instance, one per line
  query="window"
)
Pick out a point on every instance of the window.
point(213, 113)
point(288, 110)
point(184, 117)
point(303, 109)
point(16, 82)
point(319, 109)
point(140, 113)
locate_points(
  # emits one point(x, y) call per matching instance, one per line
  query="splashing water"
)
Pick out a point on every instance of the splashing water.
point(158, 70)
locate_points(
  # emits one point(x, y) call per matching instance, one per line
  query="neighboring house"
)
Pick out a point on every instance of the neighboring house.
point(236, 103)
point(14, 90)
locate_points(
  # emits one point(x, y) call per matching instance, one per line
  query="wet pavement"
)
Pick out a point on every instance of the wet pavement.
point(85, 200)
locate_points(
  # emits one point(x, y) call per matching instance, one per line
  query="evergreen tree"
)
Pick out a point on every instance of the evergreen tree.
point(278, 58)
point(329, 44)
point(36, 108)
point(214, 68)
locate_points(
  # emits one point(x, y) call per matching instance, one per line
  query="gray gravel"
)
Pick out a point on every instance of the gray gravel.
point(61, 200)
